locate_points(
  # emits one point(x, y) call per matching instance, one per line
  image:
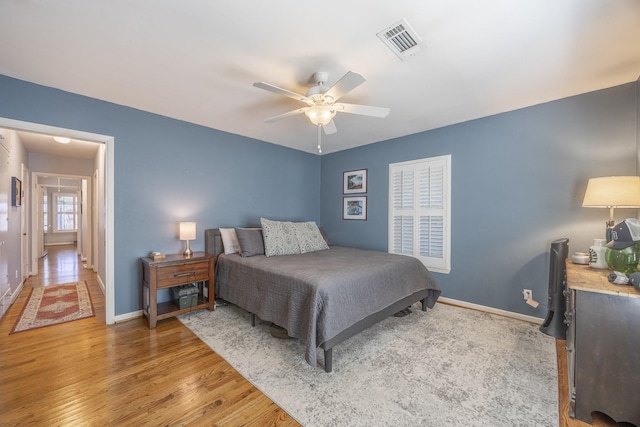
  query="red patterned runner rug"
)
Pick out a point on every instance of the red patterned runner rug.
point(51, 305)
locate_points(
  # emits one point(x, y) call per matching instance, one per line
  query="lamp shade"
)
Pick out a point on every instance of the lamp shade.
point(613, 191)
point(187, 231)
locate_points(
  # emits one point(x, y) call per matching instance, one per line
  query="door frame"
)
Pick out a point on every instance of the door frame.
point(24, 223)
point(38, 248)
point(109, 170)
point(85, 209)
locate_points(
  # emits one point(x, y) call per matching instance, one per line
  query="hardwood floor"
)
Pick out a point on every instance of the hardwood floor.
point(87, 373)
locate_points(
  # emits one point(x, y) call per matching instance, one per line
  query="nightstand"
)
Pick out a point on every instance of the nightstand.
point(176, 270)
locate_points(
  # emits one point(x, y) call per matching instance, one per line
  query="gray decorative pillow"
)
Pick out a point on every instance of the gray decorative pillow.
point(250, 240)
point(279, 238)
point(309, 237)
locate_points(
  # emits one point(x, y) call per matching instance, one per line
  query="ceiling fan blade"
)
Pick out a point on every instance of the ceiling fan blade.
point(364, 110)
point(281, 91)
point(346, 84)
point(330, 128)
point(287, 114)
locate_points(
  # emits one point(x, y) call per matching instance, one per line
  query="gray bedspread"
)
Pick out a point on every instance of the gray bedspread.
point(317, 295)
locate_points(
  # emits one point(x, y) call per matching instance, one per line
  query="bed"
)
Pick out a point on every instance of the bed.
point(321, 297)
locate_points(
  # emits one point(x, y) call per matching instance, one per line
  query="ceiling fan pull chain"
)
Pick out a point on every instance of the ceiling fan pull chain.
point(319, 138)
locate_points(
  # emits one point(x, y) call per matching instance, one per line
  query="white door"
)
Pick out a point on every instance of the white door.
point(5, 199)
point(43, 220)
point(94, 223)
point(26, 199)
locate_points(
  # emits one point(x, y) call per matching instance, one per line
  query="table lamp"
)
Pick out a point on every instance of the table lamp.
point(187, 232)
point(612, 192)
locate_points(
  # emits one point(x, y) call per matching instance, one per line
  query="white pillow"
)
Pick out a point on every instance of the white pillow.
point(279, 238)
point(309, 237)
point(230, 240)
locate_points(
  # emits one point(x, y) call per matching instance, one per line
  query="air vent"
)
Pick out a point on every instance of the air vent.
point(402, 39)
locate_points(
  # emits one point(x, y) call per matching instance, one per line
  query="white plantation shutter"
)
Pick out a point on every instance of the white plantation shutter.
point(403, 207)
point(419, 210)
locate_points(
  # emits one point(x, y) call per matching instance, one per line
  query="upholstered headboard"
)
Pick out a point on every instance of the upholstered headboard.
point(213, 241)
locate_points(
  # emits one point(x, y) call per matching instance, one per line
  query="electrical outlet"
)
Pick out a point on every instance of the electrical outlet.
point(527, 294)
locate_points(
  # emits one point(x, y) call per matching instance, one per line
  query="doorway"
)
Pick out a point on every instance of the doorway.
point(104, 217)
point(63, 213)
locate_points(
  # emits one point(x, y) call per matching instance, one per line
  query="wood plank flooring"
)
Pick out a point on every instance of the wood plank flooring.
point(85, 373)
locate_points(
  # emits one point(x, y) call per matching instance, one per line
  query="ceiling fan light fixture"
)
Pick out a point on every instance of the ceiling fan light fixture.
point(62, 139)
point(320, 114)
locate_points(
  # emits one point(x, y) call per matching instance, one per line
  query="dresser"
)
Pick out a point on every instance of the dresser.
point(176, 270)
point(603, 346)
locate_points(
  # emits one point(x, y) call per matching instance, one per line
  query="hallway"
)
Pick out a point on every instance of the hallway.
point(62, 264)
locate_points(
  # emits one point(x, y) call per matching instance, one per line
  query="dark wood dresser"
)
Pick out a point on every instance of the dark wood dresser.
point(603, 346)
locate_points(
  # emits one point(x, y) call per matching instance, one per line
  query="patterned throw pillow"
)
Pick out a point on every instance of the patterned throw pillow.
point(309, 237)
point(279, 238)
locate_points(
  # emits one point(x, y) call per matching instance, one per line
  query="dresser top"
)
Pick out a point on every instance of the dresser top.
point(586, 278)
point(177, 258)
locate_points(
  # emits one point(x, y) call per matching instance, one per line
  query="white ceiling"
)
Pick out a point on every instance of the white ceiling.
point(196, 60)
point(44, 144)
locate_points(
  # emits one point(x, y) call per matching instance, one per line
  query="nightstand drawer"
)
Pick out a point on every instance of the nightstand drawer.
point(172, 275)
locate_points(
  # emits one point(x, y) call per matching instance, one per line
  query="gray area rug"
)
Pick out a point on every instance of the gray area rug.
point(449, 366)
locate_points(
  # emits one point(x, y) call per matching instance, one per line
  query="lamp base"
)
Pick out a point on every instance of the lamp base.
point(608, 231)
point(188, 253)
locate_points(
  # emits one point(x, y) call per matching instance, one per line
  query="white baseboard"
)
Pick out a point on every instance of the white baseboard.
point(451, 301)
point(16, 293)
point(128, 316)
point(518, 316)
point(103, 288)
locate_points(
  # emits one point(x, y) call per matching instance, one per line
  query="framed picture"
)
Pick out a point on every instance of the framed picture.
point(16, 191)
point(354, 181)
point(354, 208)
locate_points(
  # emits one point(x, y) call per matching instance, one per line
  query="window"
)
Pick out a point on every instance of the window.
point(420, 211)
point(66, 212)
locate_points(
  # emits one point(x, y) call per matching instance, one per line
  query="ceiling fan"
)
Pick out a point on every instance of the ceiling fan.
point(321, 101)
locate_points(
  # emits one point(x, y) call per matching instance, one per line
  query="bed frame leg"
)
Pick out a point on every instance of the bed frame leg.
point(253, 319)
point(328, 360)
point(424, 304)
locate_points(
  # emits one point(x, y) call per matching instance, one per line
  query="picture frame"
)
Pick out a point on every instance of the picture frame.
point(16, 191)
point(354, 208)
point(354, 181)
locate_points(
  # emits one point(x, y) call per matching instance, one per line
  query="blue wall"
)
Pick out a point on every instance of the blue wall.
point(167, 170)
point(518, 180)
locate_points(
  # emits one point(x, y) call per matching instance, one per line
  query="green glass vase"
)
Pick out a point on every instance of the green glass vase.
point(623, 260)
